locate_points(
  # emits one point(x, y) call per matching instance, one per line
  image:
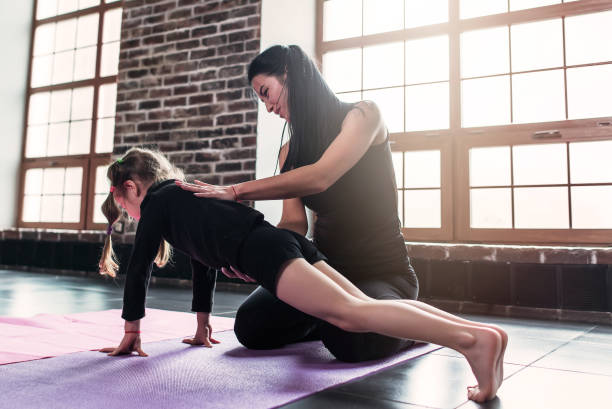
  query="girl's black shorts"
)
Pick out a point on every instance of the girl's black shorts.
point(266, 248)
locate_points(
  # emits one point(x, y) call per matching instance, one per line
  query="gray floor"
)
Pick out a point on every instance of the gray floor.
point(548, 364)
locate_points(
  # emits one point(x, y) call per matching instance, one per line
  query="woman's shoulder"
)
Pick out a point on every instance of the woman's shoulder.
point(365, 110)
point(366, 115)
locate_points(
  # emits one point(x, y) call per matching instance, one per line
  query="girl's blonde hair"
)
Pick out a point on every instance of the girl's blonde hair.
point(147, 166)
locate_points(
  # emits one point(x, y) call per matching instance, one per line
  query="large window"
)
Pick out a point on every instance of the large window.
point(70, 113)
point(499, 111)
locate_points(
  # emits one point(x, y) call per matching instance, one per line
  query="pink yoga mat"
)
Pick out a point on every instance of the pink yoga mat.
point(48, 335)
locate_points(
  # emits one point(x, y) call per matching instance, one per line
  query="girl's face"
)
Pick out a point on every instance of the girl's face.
point(130, 198)
point(272, 92)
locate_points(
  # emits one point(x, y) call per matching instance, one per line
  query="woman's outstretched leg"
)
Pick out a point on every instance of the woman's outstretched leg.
point(353, 290)
point(308, 289)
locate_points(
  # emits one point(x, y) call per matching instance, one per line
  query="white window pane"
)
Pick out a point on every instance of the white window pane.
point(41, 71)
point(51, 208)
point(588, 91)
point(80, 136)
point(538, 96)
point(60, 106)
point(383, 65)
point(107, 100)
point(73, 181)
point(83, 4)
point(540, 164)
point(341, 19)
point(350, 96)
point(490, 208)
point(584, 38)
point(590, 162)
point(72, 209)
point(53, 181)
point(398, 166)
point(382, 15)
point(112, 26)
point(591, 207)
point(33, 181)
point(427, 60)
point(485, 101)
point(85, 63)
point(422, 169)
point(46, 8)
point(102, 183)
point(31, 208)
point(98, 215)
point(335, 71)
point(44, 39)
point(38, 112)
point(82, 103)
point(484, 52)
point(110, 59)
point(427, 107)
point(537, 45)
point(422, 13)
point(105, 135)
point(36, 141)
point(490, 166)
point(541, 208)
point(65, 34)
point(529, 4)
point(477, 8)
point(390, 102)
point(63, 66)
point(422, 209)
point(87, 30)
point(57, 144)
point(67, 6)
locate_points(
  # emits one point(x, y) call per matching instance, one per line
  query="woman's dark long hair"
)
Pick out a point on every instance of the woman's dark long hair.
point(315, 113)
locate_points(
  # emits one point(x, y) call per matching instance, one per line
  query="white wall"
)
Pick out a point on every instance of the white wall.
point(282, 22)
point(15, 26)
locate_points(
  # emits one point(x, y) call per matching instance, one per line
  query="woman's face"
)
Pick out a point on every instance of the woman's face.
point(272, 92)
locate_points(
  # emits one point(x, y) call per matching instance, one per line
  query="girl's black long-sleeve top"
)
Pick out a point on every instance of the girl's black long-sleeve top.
point(210, 231)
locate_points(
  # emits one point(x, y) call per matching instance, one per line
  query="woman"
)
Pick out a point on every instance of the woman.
point(338, 163)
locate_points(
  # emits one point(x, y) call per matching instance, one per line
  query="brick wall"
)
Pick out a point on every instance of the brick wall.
point(182, 84)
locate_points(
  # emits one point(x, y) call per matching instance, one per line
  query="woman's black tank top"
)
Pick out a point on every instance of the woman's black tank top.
point(357, 225)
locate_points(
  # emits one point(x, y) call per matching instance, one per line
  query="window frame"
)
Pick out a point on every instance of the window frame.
point(455, 142)
point(87, 161)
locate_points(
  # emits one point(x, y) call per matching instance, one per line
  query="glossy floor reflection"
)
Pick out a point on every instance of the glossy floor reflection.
point(548, 364)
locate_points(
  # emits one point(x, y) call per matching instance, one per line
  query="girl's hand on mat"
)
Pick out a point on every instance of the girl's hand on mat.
point(129, 344)
point(201, 189)
point(202, 337)
point(236, 274)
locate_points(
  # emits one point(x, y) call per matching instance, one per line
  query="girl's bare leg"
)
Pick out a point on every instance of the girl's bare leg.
point(353, 290)
point(309, 290)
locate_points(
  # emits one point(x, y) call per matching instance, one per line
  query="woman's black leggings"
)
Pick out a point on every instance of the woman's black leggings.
point(265, 322)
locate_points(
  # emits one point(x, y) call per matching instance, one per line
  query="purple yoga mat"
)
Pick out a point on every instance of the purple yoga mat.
point(179, 376)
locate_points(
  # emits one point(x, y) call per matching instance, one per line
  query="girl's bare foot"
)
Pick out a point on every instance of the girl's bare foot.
point(499, 364)
point(483, 355)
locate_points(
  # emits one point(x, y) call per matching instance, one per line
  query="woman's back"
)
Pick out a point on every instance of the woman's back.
point(357, 225)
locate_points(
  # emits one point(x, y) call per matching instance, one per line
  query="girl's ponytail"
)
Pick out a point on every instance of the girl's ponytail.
point(108, 262)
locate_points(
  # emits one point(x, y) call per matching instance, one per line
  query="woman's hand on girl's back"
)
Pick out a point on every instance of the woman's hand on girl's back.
point(201, 189)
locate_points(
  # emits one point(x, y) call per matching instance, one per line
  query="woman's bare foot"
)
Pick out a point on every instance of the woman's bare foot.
point(483, 356)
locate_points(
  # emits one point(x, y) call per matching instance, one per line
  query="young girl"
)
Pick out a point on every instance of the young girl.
point(221, 233)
